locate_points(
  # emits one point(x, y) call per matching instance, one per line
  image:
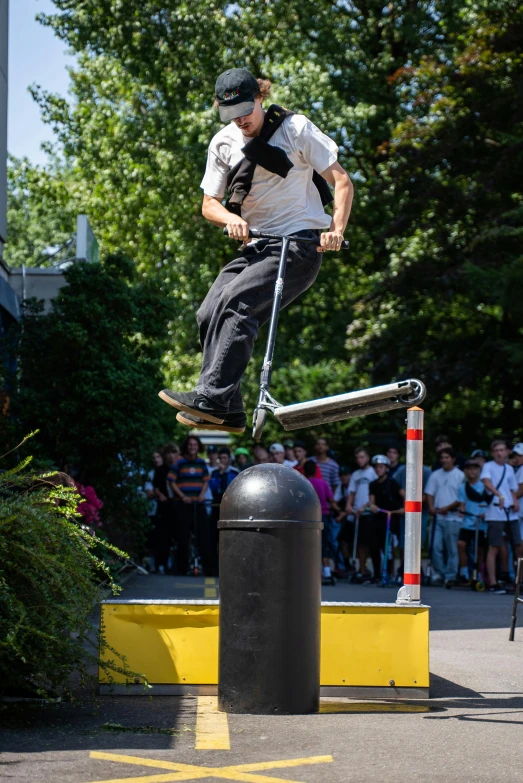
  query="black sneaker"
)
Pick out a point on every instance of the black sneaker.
point(195, 403)
point(497, 589)
point(231, 422)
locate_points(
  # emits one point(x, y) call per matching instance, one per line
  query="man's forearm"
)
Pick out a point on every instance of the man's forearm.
point(491, 488)
point(451, 506)
point(214, 211)
point(177, 491)
point(343, 195)
point(350, 501)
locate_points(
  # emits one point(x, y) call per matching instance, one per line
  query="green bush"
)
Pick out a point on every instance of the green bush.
point(50, 576)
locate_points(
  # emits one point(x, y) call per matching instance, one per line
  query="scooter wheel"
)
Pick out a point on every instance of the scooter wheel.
point(258, 422)
point(480, 586)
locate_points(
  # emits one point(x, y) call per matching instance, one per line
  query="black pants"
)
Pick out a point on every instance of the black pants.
point(239, 303)
point(372, 536)
point(193, 517)
point(162, 534)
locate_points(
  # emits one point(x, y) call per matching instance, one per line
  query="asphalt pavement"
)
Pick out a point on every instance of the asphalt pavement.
point(470, 730)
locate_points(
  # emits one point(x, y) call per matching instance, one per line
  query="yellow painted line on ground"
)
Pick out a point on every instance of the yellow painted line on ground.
point(241, 772)
point(265, 765)
point(188, 586)
point(212, 727)
point(210, 591)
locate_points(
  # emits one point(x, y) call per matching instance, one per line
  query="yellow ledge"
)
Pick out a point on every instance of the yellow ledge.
point(362, 645)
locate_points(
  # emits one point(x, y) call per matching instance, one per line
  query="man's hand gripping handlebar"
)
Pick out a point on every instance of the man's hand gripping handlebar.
point(255, 234)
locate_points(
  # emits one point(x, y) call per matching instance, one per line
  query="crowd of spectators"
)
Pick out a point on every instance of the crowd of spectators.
point(473, 502)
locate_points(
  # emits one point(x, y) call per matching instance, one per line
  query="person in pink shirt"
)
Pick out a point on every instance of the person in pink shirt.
point(328, 505)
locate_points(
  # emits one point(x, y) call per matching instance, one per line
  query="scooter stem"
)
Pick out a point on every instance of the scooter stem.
point(265, 377)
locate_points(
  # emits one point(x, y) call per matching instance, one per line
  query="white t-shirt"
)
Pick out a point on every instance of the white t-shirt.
point(359, 483)
point(491, 470)
point(275, 204)
point(519, 480)
point(444, 486)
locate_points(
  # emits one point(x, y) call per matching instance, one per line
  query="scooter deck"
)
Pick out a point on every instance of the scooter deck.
point(392, 396)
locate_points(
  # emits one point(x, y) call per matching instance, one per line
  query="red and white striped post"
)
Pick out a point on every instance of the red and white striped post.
point(410, 593)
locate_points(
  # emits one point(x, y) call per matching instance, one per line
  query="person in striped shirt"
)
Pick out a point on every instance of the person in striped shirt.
point(188, 479)
point(329, 467)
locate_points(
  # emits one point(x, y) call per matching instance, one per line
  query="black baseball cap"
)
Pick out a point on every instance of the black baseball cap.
point(235, 91)
point(470, 463)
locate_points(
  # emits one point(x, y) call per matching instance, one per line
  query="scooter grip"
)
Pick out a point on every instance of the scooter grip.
point(254, 233)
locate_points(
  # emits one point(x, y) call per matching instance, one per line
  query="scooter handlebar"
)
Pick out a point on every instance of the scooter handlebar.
point(255, 234)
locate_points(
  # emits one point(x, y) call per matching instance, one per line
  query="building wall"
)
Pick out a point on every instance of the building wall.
point(36, 282)
point(4, 30)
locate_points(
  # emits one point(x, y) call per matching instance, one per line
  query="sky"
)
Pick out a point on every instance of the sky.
point(35, 56)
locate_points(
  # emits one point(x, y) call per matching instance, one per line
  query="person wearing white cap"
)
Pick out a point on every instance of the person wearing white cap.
point(277, 452)
point(518, 452)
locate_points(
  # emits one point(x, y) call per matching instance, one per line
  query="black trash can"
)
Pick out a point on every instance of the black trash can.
point(270, 593)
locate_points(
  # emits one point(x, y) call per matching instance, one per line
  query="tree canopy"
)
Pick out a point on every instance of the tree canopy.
point(88, 378)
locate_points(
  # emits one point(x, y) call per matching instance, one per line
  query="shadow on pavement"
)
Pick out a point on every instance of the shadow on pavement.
point(133, 722)
point(452, 697)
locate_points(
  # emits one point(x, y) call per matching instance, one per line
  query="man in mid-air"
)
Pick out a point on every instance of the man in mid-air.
point(275, 166)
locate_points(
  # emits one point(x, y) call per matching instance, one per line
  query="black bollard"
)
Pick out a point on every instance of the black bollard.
point(270, 593)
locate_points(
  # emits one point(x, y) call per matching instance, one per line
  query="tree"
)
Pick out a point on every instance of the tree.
point(41, 211)
point(449, 295)
point(89, 374)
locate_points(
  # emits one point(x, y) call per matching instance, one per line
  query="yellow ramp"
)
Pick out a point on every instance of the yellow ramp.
point(363, 646)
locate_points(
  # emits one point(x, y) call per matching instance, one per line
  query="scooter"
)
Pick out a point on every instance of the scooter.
point(476, 582)
point(505, 578)
point(403, 394)
point(427, 577)
point(385, 578)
